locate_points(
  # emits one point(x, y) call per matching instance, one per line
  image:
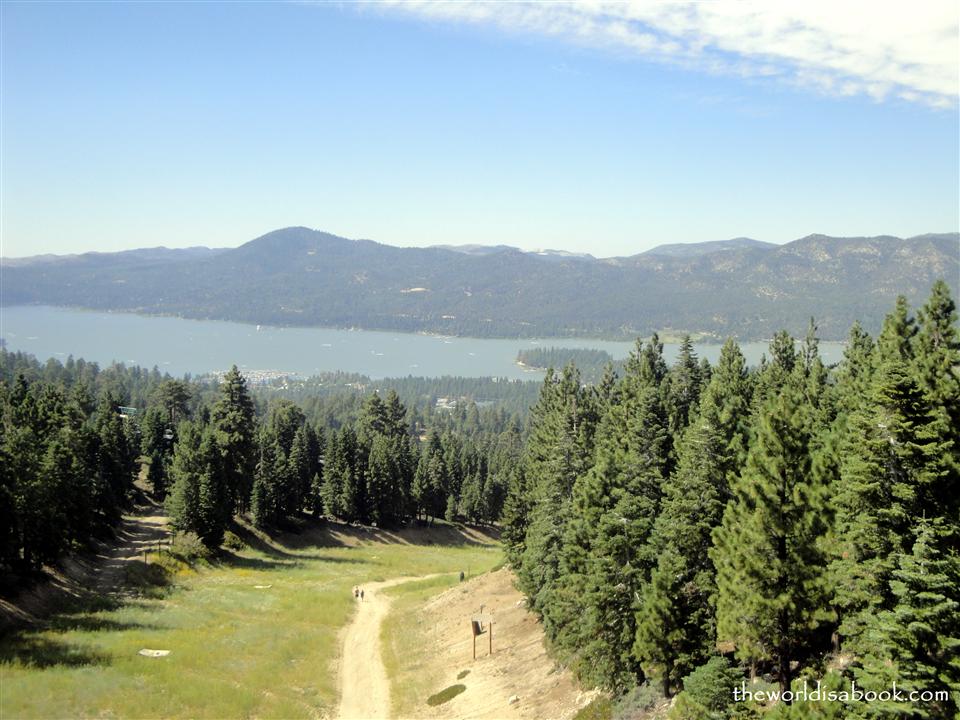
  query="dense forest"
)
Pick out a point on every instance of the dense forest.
point(73, 439)
point(590, 363)
point(678, 529)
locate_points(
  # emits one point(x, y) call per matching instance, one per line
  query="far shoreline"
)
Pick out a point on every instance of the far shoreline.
point(668, 337)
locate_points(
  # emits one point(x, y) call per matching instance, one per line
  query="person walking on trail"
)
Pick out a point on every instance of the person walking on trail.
point(361, 596)
point(356, 591)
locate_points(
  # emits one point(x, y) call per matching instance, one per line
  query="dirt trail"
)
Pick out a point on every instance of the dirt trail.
point(364, 687)
point(82, 575)
point(137, 534)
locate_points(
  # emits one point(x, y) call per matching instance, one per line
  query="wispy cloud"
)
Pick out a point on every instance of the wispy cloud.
point(854, 47)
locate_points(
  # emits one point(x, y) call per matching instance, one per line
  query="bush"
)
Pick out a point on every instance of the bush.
point(640, 699)
point(233, 542)
point(685, 708)
point(711, 685)
point(189, 548)
point(600, 708)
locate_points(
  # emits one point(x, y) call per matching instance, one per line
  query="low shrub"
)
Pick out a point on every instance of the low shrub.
point(189, 548)
point(232, 541)
point(600, 708)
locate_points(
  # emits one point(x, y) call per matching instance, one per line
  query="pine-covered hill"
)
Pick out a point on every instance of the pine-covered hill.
point(298, 276)
point(681, 529)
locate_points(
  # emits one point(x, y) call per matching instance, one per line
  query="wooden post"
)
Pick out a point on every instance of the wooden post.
point(490, 631)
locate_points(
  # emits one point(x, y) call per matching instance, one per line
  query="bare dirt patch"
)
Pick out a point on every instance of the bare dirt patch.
point(364, 687)
point(518, 669)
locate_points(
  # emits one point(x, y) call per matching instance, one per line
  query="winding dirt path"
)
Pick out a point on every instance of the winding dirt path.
point(364, 686)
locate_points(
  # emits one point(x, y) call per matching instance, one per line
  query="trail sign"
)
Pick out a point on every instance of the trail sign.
point(476, 626)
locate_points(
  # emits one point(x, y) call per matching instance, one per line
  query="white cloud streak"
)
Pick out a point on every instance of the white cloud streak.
point(876, 48)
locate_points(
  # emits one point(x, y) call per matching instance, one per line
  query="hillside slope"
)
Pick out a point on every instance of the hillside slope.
point(298, 276)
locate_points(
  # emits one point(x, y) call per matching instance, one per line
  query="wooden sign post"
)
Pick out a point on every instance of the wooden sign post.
point(476, 625)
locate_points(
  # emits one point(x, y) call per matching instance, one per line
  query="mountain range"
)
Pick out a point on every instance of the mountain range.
point(302, 277)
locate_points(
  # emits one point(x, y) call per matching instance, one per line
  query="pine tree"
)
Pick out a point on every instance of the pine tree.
point(775, 373)
point(301, 470)
point(331, 490)
point(420, 489)
point(679, 591)
point(183, 502)
point(771, 588)
point(384, 489)
point(515, 517)
point(937, 369)
point(897, 336)
point(682, 389)
point(215, 506)
point(916, 643)
point(317, 453)
point(556, 454)
point(664, 644)
point(353, 498)
point(232, 418)
point(711, 454)
point(890, 473)
point(265, 502)
point(606, 555)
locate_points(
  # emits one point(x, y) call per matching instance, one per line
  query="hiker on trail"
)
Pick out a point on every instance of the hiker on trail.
point(461, 576)
point(361, 596)
point(356, 591)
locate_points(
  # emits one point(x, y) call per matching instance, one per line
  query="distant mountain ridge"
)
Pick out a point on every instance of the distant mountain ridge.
point(304, 277)
point(705, 248)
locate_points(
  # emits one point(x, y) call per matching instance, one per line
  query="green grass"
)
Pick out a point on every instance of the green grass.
point(236, 651)
point(600, 708)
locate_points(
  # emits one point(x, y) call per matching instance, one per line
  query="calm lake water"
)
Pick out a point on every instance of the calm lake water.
point(181, 346)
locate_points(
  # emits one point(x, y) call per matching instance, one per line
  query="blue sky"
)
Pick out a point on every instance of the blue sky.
point(133, 125)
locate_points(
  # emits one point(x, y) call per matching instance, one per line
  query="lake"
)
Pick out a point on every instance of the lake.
point(180, 346)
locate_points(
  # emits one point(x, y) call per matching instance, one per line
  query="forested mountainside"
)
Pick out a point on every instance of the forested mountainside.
point(682, 528)
point(74, 436)
point(674, 527)
point(298, 276)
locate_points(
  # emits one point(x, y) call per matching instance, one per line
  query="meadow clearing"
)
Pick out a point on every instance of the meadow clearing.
point(253, 633)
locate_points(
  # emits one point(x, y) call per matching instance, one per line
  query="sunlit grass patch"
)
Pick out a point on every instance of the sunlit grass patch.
point(236, 649)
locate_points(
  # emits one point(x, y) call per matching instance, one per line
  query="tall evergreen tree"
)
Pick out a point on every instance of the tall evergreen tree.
point(916, 643)
point(183, 502)
point(937, 368)
point(682, 389)
point(606, 555)
point(890, 473)
point(556, 454)
point(771, 588)
point(233, 422)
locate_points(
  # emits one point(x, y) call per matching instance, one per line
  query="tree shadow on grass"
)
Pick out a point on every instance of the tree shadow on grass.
point(232, 559)
point(95, 622)
point(271, 546)
point(43, 652)
point(328, 532)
